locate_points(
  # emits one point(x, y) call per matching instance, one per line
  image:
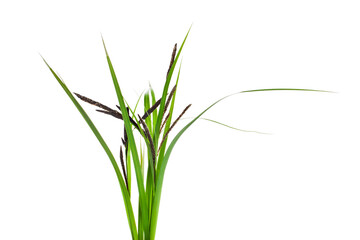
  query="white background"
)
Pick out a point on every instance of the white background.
point(300, 182)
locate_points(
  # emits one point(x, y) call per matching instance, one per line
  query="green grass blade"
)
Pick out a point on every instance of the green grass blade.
point(137, 102)
point(140, 225)
point(168, 122)
point(128, 160)
point(237, 129)
point(127, 202)
point(132, 146)
point(283, 89)
point(149, 187)
point(150, 179)
point(154, 113)
point(146, 107)
point(162, 167)
point(165, 90)
point(128, 170)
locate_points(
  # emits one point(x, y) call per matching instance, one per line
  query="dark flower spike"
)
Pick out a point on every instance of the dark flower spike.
point(151, 109)
point(118, 115)
point(163, 124)
point(112, 113)
point(125, 134)
point(166, 135)
point(169, 98)
point(123, 167)
point(108, 111)
point(172, 58)
point(148, 136)
point(92, 102)
point(131, 120)
point(167, 104)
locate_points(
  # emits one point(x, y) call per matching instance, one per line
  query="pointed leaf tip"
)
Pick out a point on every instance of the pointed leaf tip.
point(106, 52)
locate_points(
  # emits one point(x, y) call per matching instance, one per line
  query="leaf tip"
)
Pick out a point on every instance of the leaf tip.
point(102, 39)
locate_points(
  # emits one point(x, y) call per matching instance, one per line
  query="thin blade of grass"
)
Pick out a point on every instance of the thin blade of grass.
point(162, 165)
point(128, 170)
point(146, 109)
point(147, 123)
point(150, 177)
point(140, 225)
point(126, 198)
point(165, 90)
point(132, 146)
point(92, 102)
point(137, 102)
point(167, 121)
point(154, 102)
point(238, 129)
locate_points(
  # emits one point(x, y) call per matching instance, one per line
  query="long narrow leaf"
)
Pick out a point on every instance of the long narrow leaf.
point(132, 146)
point(162, 167)
point(154, 114)
point(128, 206)
point(237, 129)
point(167, 120)
point(165, 90)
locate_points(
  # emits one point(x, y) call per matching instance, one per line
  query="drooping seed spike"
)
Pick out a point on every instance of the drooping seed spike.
point(92, 102)
point(108, 110)
point(151, 109)
point(130, 118)
point(111, 113)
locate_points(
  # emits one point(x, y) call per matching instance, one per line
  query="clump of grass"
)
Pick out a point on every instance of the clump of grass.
point(154, 127)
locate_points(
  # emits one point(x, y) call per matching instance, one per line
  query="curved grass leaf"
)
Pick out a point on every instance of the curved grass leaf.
point(132, 146)
point(124, 191)
point(162, 167)
point(237, 129)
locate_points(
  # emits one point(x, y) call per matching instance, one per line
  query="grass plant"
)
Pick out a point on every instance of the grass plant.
point(154, 127)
